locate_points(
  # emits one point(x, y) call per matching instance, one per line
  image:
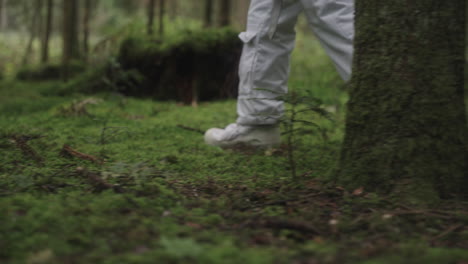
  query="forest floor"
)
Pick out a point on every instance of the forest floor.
point(111, 179)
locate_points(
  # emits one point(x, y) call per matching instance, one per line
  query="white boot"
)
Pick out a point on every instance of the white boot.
point(235, 134)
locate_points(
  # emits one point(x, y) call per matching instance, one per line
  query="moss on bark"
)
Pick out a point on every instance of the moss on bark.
point(406, 124)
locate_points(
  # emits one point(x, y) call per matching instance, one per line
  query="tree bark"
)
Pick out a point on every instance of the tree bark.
point(173, 6)
point(208, 19)
point(242, 11)
point(150, 25)
point(162, 13)
point(4, 15)
point(86, 20)
point(70, 35)
point(406, 127)
point(225, 13)
point(47, 31)
point(1, 14)
point(34, 30)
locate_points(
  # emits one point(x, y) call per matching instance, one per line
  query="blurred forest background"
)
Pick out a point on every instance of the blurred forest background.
point(54, 39)
point(38, 31)
point(179, 50)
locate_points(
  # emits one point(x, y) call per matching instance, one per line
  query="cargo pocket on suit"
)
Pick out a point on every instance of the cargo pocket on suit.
point(247, 61)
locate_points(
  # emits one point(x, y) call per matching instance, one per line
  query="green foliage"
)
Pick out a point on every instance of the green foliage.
point(107, 78)
point(128, 6)
point(197, 40)
point(53, 212)
point(174, 68)
point(297, 121)
point(48, 72)
point(199, 61)
point(418, 253)
point(174, 199)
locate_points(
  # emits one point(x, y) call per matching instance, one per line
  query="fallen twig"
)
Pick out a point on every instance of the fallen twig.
point(191, 129)
point(429, 212)
point(97, 182)
point(79, 108)
point(22, 143)
point(27, 138)
point(285, 224)
point(281, 202)
point(69, 151)
point(422, 212)
point(448, 231)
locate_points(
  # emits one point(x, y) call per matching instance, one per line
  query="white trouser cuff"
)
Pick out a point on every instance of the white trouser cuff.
point(259, 111)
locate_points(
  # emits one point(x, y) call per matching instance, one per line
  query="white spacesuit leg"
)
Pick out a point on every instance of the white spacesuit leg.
point(333, 24)
point(264, 66)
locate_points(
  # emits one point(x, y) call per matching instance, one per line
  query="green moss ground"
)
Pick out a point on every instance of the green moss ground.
point(163, 196)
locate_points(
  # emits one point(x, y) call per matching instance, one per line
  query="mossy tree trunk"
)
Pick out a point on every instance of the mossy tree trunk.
point(406, 125)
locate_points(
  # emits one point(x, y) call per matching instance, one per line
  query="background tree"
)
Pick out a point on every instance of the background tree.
point(86, 20)
point(406, 123)
point(240, 10)
point(70, 35)
point(1, 14)
point(47, 31)
point(225, 13)
point(162, 13)
point(34, 30)
point(172, 9)
point(150, 25)
point(208, 16)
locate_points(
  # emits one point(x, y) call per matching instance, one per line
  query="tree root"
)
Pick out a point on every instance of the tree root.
point(69, 151)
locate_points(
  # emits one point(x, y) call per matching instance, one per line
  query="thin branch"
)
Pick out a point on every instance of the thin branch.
point(199, 131)
point(275, 223)
point(22, 143)
point(97, 182)
point(69, 151)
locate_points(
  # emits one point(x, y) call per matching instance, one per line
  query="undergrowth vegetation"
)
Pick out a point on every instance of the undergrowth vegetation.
point(107, 178)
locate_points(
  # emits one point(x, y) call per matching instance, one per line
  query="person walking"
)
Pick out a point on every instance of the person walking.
point(264, 64)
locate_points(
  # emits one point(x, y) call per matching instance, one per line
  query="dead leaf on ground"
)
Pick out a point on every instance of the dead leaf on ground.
point(358, 191)
point(79, 108)
point(44, 256)
point(134, 117)
point(193, 225)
